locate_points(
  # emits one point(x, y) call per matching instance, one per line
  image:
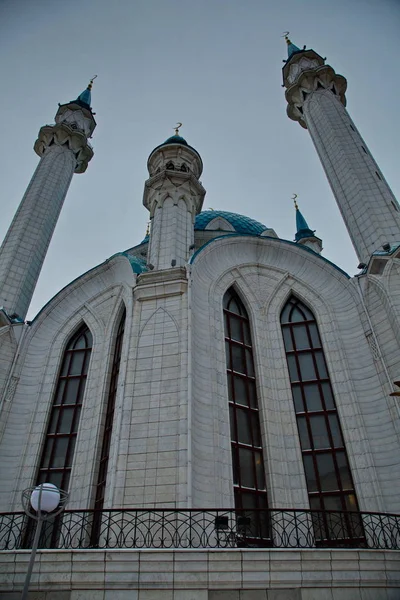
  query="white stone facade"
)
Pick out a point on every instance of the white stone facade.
point(171, 441)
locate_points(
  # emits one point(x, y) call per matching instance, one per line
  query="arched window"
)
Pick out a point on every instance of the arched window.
point(329, 481)
point(184, 168)
point(247, 455)
point(58, 452)
point(170, 166)
point(109, 417)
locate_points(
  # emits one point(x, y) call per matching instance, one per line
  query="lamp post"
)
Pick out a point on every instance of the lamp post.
point(41, 503)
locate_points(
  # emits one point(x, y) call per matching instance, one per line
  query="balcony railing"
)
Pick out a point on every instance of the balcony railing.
point(204, 528)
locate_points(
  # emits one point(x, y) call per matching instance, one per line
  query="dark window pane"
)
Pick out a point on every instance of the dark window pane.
point(287, 338)
point(328, 397)
point(240, 390)
point(298, 399)
point(249, 500)
point(233, 306)
point(256, 429)
point(246, 468)
point(335, 431)
point(259, 471)
point(310, 473)
point(246, 333)
point(296, 315)
point(71, 451)
point(228, 355)
point(75, 367)
point(313, 397)
point(344, 471)
point(60, 391)
point(80, 343)
point(301, 337)
point(53, 421)
point(86, 363)
point(327, 473)
point(319, 432)
point(316, 342)
point(55, 478)
point(235, 328)
point(47, 453)
point(293, 373)
point(315, 503)
point(65, 364)
point(307, 369)
point(251, 386)
point(65, 423)
point(285, 313)
point(351, 502)
point(244, 426)
point(238, 363)
point(303, 432)
point(249, 363)
point(226, 322)
point(72, 391)
point(232, 423)
point(230, 387)
point(333, 503)
point(60, 451)
point(323, 373)
point(235, 466)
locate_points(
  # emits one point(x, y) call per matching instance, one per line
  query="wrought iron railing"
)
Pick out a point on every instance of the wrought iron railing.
point(204, 528)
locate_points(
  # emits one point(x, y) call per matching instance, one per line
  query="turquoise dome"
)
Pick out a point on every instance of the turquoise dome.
point(240, 223)
point(175, 139)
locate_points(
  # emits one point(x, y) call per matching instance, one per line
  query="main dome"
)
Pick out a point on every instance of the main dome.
point(240, 223)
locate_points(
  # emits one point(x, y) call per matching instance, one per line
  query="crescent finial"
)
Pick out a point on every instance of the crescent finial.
point(178, 125)
point(294, 200)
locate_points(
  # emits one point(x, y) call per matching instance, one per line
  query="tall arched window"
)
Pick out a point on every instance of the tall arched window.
point(329, 481)
point(112, 393)
point(58, 452)
point(247, 455)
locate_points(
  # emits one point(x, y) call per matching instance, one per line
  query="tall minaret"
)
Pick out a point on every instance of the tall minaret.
point(316, 98)
point(64, 150)
point(174, 196)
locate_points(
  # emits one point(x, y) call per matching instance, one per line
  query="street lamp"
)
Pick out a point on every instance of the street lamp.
point(41, 503)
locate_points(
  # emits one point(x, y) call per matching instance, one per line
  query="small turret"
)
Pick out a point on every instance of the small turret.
point(305, 235)
point(174, 196)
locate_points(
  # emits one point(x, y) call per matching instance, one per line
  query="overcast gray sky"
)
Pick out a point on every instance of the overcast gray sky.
point(216, 66)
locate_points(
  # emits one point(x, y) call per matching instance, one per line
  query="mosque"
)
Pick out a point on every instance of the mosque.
point(219, 403)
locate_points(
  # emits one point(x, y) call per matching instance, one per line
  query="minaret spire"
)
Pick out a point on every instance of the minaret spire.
point(64, 150)
point(316, 99)
point(291, 48)
point(304, 235)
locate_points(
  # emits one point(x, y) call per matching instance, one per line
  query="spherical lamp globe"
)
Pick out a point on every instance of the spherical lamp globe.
point(45, 497)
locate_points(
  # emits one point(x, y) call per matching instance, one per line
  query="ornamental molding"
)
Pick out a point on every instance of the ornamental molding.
point(62, 134)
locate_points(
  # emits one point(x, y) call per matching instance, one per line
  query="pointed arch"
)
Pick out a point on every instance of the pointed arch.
point(59, 445)
point(329, 480)
point(247, 454)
